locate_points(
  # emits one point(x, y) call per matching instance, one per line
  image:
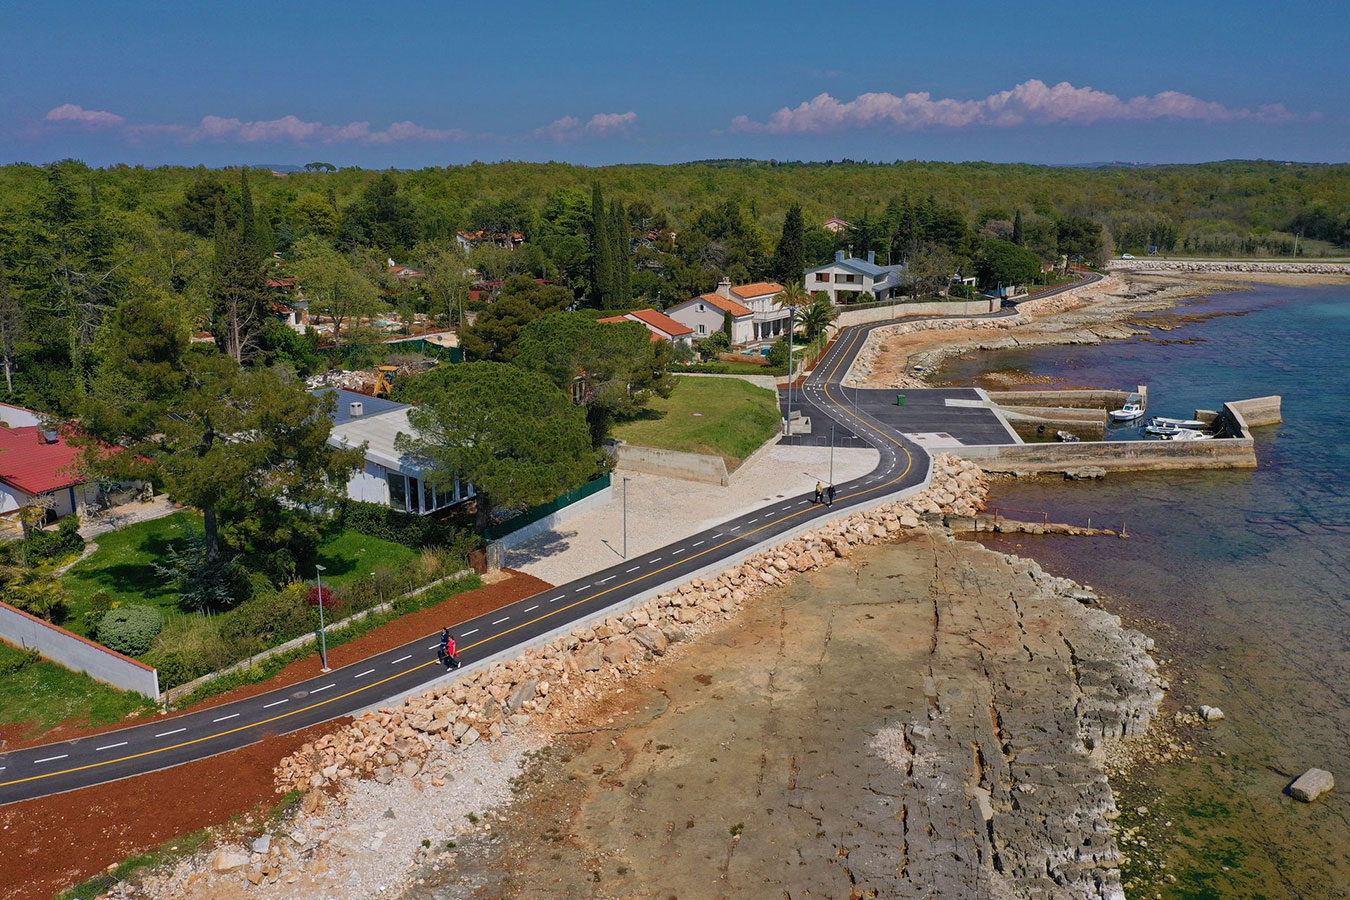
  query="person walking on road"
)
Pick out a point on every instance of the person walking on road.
point(829, 496)
point(448, 654)
point(820, 493)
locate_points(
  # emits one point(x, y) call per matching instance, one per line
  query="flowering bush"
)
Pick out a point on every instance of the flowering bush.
point(329, 600)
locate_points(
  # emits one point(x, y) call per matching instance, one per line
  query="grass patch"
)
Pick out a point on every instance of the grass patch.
point(123, 564)
point(168, 852)
point(45, 694)
point(725, 417)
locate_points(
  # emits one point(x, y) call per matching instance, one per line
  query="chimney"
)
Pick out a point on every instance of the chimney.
point(724, 288)
point(839, 256)
point(872, 257)
point(357, 408)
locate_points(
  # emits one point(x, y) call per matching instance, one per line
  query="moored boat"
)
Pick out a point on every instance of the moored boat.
point(1133, 409)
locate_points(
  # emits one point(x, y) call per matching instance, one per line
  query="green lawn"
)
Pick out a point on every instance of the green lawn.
point(122, 564)
point(43, 694)
point(727, 417)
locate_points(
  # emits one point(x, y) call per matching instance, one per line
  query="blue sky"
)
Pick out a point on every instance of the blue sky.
point(412, 84)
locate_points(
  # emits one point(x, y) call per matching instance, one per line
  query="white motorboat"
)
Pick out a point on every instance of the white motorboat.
point(1133, 409)
point(1161, 428)
point(1193, 424)
point(1187, 434)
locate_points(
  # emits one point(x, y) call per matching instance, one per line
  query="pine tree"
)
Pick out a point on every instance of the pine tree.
point(789, 258)
point(1017, 237)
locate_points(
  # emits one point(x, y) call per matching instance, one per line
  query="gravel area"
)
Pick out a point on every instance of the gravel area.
point(661, 510)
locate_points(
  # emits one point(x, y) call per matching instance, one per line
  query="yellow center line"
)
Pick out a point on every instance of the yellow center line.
point(853, 339)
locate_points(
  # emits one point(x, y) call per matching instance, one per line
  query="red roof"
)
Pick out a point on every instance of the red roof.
point(758, 289)
point(33, 466)
point(662, 322)
point(736, 309)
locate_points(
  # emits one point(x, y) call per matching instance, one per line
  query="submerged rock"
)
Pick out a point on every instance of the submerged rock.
point(1311, 785)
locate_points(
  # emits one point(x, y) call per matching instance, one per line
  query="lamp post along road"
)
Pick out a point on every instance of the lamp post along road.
point(323, 631)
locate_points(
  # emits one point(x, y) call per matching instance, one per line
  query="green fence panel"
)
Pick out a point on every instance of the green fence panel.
point(534, 514)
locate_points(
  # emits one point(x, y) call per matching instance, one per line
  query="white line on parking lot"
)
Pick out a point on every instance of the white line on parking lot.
point(363, 674)
point(400, 659)
point(111, 746)
point(275, 703)
point(223, 718)
point(175, 731)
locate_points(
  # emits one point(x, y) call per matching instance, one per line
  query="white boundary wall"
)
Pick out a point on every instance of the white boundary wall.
point(74, 652)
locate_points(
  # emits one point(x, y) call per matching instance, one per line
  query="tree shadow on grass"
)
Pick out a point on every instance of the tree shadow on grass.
point(645, 414)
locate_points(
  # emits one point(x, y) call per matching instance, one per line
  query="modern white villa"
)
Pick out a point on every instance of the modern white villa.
point(388, 477)
point(850, 275)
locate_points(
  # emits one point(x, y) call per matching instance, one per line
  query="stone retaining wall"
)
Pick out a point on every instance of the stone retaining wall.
point(1180, 265)
point(849, 317)
point(1119, 456)
point(700, 467)
point(1076, 399)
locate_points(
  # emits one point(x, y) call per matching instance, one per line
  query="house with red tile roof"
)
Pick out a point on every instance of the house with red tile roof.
point(39, 467)
point(756, 317)
point(662, 326)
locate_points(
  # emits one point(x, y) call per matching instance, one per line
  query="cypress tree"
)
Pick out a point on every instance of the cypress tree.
point(789, 258)
point(602, 251)
point(620, 254)
point(1017, 229)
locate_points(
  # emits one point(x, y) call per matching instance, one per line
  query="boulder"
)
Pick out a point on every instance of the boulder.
point(469, 738)
point(228, 861)
point(650, 638)
point(590, 657)
point(262, 844)
point(619, 652)
point(1211, 713)
point(1311, 785)
point(525, 691)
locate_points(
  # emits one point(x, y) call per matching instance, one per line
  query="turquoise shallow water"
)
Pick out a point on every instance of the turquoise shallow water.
point(1243, 578)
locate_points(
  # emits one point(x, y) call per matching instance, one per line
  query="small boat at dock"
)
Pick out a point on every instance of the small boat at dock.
point(1133, 409)
point(1188, 434)
point(1161, 428)
point(1193, 424)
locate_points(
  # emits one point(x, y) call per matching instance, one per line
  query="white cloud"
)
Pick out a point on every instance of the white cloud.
point(1031, 102)
point(570, 128)
point(95, 118)
point(287, 129)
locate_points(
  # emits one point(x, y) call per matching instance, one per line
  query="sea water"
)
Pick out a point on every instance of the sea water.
point(1243, 579)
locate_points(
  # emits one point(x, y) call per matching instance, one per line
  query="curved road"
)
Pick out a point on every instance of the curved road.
point(169, 741)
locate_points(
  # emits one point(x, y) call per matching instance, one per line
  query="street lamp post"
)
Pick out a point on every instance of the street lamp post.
point(832, 455)
point(625, 517)
point(791, 312)
point(323, 633)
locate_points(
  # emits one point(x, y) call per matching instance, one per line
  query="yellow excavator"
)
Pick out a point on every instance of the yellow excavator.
point(384, 382)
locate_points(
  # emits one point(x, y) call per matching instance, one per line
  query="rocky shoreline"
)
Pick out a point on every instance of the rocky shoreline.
point(452, 751)
point(1089, 314)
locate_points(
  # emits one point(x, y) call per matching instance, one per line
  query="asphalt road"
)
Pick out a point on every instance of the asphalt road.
point(65, 766)
point(69, 765)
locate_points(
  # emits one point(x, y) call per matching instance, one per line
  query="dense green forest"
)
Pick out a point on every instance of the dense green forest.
point(74, 241)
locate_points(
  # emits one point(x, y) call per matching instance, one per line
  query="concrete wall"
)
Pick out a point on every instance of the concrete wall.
point(1258, 411)
point(551, 521)
point(1075, 399)
point(900, 310)
point(1121, 456)
point(74, 652)
point(673, 464)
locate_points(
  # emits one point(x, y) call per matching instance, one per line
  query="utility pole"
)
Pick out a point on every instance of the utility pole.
point(323, 631)
point(625, 517)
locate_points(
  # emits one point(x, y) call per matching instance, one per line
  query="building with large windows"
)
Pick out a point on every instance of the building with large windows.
point(850, 278)
point(388, 477)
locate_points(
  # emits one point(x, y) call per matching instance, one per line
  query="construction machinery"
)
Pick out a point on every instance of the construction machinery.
point(384, 382)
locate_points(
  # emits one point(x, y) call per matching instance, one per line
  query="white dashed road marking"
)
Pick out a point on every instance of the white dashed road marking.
point(698, 544)
point(51, 758)
point(284, 700)
point(223, 718)
point(175, 731)
point(363, 674)
point(500, 621)
point(324, 688)
point(532, 609)
point(400, 659)
point(112, 746)
point(634, 569)
point(610, 578)
point(467, 633)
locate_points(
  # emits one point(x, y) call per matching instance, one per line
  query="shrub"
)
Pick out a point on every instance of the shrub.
point(42, 546)
point(325, 597)
point(17, 662)
point(130, 629)
point(268, 619)
point(403, 528)
point(189, 647)
point(99, 604)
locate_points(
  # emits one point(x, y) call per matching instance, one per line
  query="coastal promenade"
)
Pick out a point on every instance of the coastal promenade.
point(173, 740)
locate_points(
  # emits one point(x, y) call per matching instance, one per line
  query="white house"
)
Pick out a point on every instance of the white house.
point(38, 467)
point(388, 477)
point(850, 275)
point(769, 321)
point(662, 326)
point(706, 315)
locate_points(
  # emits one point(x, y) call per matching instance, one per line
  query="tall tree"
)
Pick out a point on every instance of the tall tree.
point(510, 432)
point(335, 287)
point(602, 251)
point(789, 257)
point(247, 447)
point(1018, 237)
point(239, 301)
point(621, 256)
point(613, 369)
point(11, 326)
